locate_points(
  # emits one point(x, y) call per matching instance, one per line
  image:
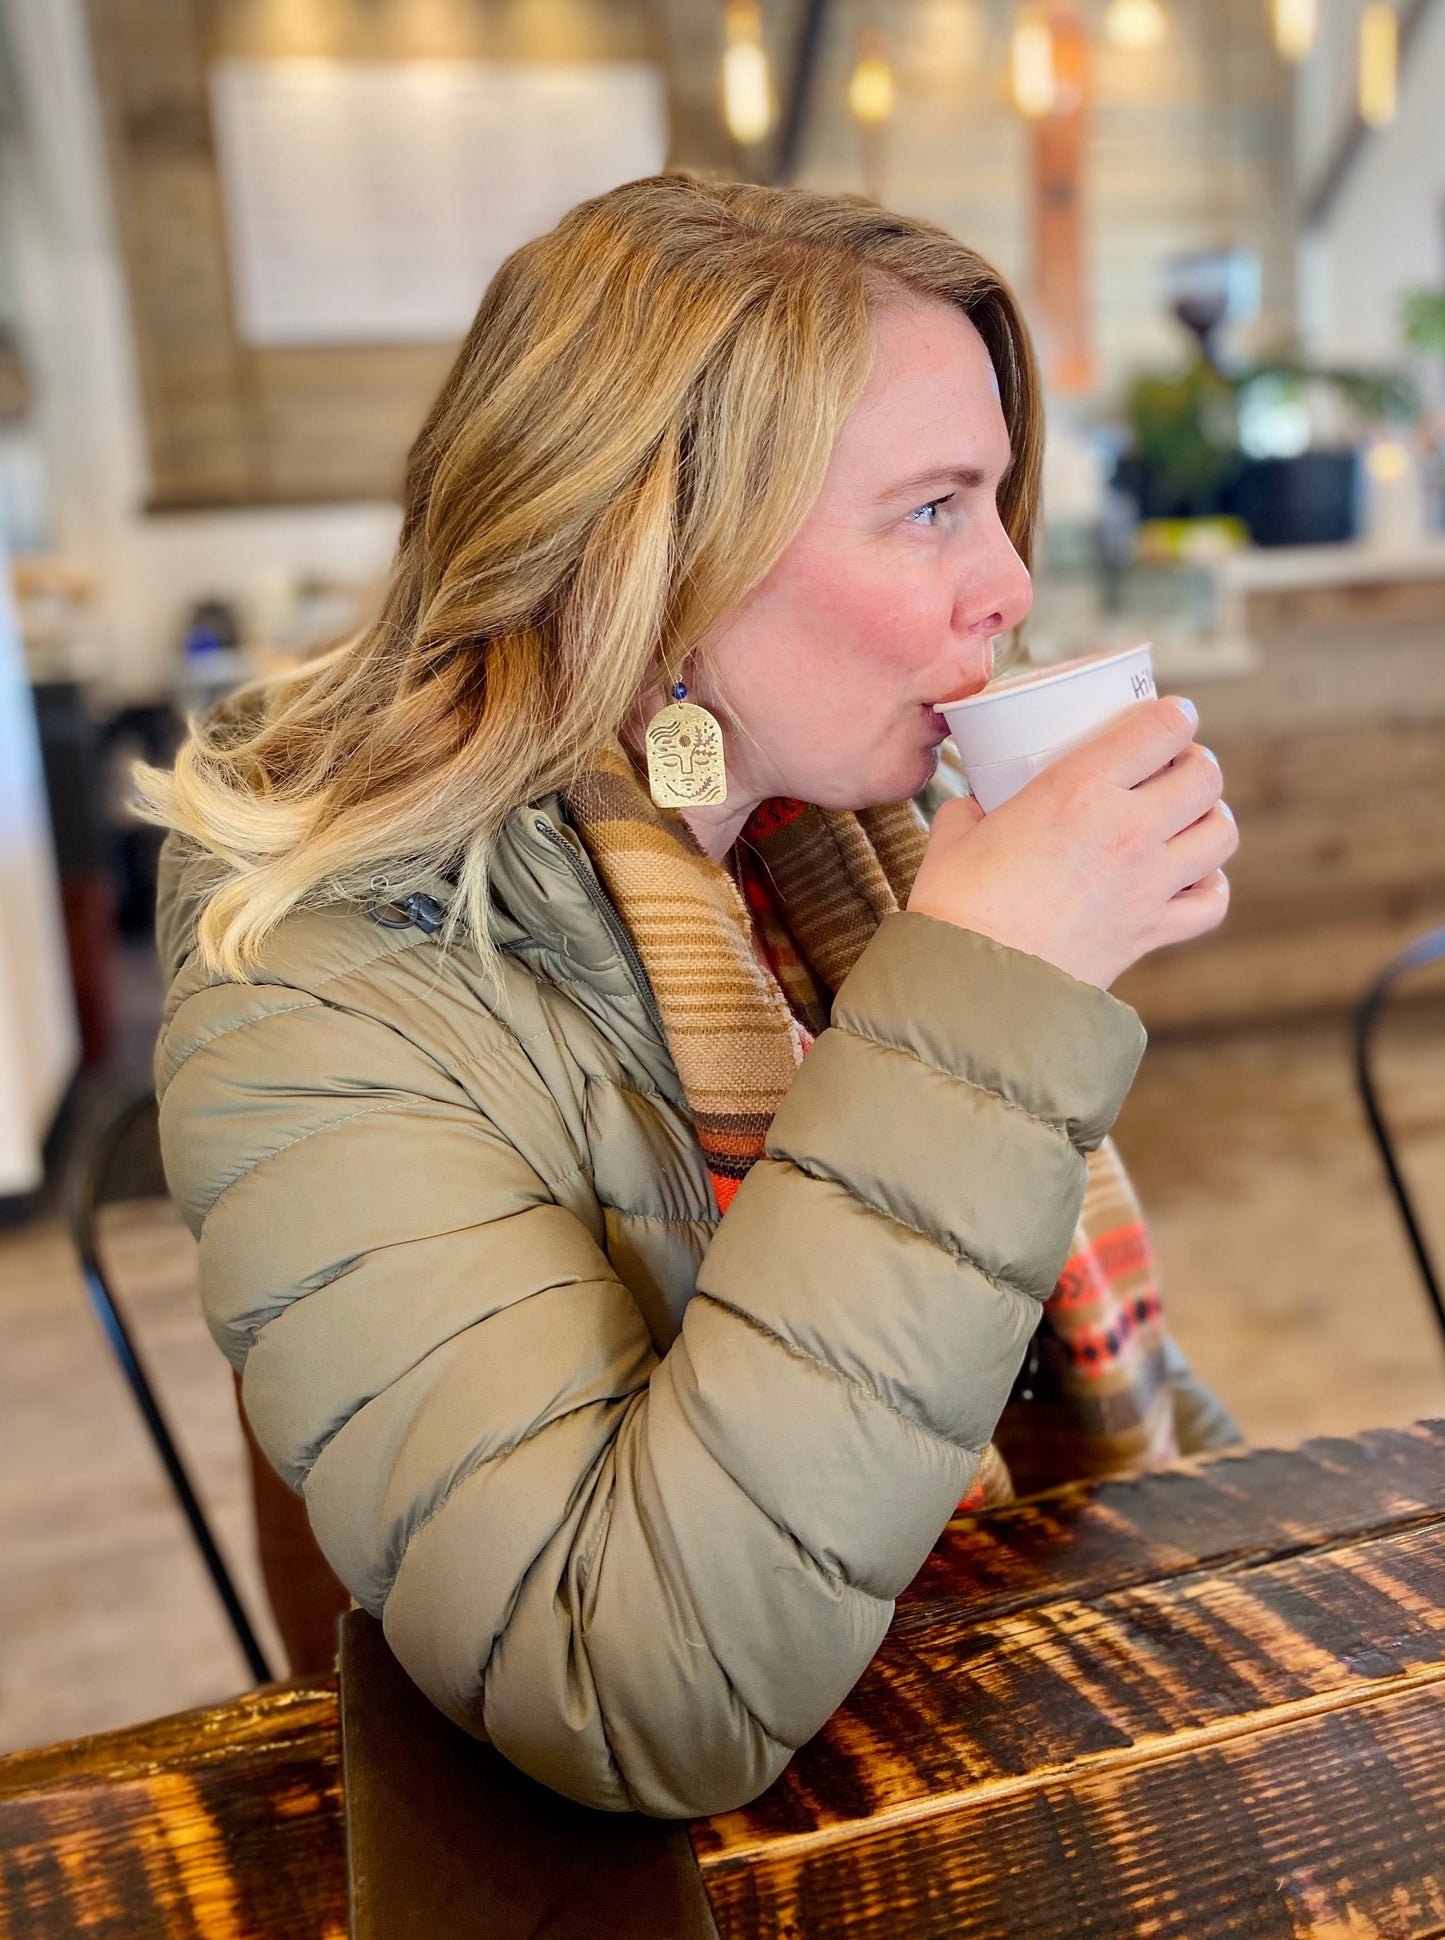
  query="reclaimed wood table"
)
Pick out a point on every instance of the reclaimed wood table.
point(1208, 1701)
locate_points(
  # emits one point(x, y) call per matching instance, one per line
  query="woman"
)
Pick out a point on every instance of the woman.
point(473, 1044)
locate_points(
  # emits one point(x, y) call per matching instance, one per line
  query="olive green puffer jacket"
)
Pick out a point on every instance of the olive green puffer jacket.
point(632, 1488)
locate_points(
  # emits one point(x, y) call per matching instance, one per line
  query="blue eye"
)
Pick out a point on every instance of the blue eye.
point(932, 506)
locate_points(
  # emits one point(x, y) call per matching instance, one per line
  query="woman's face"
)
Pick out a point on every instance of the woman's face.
point(891, 594)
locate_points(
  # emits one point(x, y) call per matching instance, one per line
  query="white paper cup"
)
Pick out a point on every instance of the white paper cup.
point(1021, 723)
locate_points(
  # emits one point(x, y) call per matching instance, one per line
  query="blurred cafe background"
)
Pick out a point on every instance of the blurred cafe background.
point(239, 240)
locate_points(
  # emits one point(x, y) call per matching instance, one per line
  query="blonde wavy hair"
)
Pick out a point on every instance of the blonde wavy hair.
point(635, 428)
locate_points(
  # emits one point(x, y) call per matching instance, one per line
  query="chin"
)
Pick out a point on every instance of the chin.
point(902, 777)
point(917, 774)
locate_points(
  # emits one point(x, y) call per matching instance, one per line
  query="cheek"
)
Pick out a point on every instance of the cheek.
point(873, 626)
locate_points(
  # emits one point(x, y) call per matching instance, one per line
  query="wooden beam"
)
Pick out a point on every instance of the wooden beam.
point(1059, 281)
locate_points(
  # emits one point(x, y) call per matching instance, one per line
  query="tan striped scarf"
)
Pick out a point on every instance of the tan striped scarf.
point(743, 978)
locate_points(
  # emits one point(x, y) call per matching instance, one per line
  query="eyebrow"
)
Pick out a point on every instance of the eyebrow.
point(970, 477)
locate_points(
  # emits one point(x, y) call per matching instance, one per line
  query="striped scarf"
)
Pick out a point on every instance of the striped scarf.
point(744, 971)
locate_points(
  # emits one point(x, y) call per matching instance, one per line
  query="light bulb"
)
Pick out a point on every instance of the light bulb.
point(1136, 23)
point(871, 93)
point(746, 87)
point(1387, 461)
point(1379, 64)
point(1295, 25)
point(1031, 62)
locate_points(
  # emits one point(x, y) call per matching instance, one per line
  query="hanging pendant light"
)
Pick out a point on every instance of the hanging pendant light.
point(1295, 24)
point(1379, 64)
point(1136, 23)
point(872, 95)
point(1031, 69)
point(746, 85)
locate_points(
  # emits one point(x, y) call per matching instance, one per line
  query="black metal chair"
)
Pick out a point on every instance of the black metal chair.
point(1419, 955)
point(121, 1159)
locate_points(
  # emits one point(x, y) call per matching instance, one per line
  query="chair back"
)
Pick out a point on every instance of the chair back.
point(1424, 951)
point(120, 1158)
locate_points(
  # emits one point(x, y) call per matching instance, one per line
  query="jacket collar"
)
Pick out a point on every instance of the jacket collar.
point(547, 900)
point(548, 911)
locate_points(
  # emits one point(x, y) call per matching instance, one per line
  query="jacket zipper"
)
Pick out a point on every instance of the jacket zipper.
point(626, 948)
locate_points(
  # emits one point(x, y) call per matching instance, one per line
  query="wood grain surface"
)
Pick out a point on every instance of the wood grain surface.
point(1202, 1703)
point(1320, 1827)
point(1091, 1537)
point(223, 1824)
point(958, 1706)
point(1205, 1702)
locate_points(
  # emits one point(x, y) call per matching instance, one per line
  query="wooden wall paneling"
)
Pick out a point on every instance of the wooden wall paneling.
point(337, 422)
point(1303, 969)
point(229, 425)
point(1368, 605)
point(150, 69)
point(1331, 750)
point(1334, 670)
point(1341, 862)
point(1332, 821)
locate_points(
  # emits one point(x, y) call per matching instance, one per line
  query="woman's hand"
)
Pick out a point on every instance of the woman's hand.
point(1115, 850)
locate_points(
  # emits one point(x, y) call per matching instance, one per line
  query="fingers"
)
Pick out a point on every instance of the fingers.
point(962, 809)
point(1184, 791)
point(1200, 849)
point(1145, 739)
point(1198, 909)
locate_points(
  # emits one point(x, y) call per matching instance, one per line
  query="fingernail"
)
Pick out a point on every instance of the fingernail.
point(1228, 810)
point(1192, 711)
point(1210, 755)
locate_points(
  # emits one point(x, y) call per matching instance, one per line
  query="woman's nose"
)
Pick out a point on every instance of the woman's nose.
point(998, 599)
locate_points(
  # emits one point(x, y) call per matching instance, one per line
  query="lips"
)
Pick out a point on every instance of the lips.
point(969, 687)
point(964, 690)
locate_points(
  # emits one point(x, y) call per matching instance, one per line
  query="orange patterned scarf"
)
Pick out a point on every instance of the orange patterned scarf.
point(744, 971)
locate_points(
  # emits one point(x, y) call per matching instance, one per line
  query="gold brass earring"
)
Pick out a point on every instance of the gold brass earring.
point(685, 767)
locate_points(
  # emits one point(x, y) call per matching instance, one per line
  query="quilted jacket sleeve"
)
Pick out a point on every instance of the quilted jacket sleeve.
point(646, 1581)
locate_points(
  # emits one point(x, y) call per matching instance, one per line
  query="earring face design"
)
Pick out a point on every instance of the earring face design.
point(685, 766)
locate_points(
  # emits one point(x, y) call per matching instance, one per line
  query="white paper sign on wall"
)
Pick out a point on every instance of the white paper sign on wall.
point(371, 202)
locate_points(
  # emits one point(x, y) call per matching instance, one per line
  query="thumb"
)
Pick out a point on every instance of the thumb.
point(960, 811)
